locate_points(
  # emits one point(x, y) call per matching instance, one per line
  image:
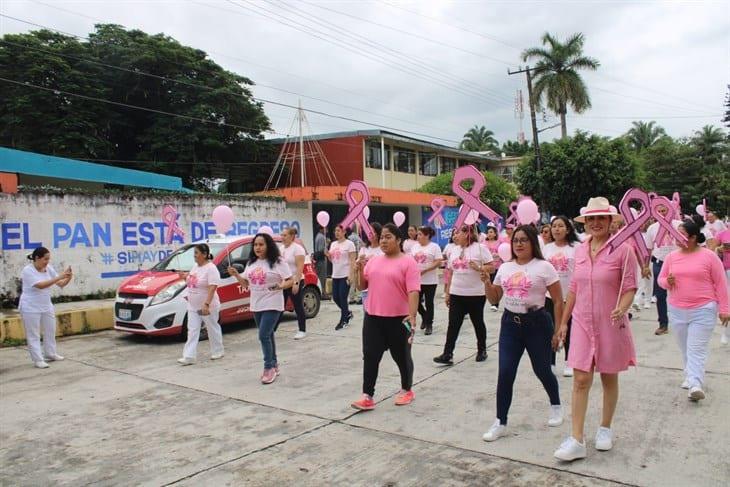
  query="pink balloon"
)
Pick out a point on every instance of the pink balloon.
point(700, 210)
point(323, 218)
point(222, 218)
point(504, 251)
point(399, 218)
point(267, 230)
point(366, 212)
point(527, 211)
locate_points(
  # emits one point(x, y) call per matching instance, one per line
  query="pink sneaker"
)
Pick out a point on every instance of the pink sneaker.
point(269, 376)
point(365, 403)
point(403, 398)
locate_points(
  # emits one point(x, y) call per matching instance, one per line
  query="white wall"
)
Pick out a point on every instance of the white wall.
point(105, 236)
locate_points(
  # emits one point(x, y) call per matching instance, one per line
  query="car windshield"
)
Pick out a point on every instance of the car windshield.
point(183, 260)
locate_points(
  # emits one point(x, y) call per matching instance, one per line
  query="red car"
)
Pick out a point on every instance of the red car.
point(152, 302)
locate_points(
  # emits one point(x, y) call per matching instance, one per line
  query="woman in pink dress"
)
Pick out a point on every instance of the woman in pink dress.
point(600, 294)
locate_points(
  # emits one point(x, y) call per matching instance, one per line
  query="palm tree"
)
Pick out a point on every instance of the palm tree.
point(710, 142)
point(479, 139)
point(643, 135)
point(557, 78)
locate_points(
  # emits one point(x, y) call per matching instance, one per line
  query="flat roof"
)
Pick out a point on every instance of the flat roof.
point(389, 135)
point(34, 164)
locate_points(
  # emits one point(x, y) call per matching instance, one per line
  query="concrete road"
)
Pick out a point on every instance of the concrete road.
point(121, 411)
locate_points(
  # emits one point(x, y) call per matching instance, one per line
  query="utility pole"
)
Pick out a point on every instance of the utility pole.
point(300, 114)
point(533, 118)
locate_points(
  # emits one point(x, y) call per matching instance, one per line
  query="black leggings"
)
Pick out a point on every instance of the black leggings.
point(534, 332)
point(550, 308)
point(381, 333)
point(425, 303)
point(459, 307)
point(296, 300)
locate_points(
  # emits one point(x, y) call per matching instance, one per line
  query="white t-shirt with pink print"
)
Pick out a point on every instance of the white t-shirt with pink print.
point(466, 281)
point(563, 260)
point(262, 277)
point(198, 280)
point(340, 258)
point(425, 256)
point(525, 285)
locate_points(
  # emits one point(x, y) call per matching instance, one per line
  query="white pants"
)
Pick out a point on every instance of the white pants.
point(693, 329)
point(33, 324)
point(215, 335)
point(645, 288)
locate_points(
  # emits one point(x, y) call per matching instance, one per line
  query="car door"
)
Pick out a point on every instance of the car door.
point(235, 303)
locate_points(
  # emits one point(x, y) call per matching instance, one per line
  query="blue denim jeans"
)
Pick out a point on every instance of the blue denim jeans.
point(267, 322)
point(661, 295)
point(340, 292)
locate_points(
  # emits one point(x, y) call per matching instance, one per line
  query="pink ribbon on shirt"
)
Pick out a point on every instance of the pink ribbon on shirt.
point(169, 218)
point(355, 212)
point(438, 205)
point(471, 198)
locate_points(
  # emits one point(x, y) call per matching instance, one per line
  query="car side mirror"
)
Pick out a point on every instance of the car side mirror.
point(223, 268)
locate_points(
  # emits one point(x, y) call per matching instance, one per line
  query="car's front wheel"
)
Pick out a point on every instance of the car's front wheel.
point(184, 331)
point(311, 300)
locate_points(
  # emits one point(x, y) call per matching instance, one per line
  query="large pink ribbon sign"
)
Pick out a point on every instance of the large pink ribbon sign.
point(169, 218)
point(438, 205)
point(649, 207)
point(677, 205)
point(471, 198)
point(355, 212)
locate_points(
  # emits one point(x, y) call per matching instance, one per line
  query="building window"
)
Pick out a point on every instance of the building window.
point(448, 164)
point(428, 163)
point(507, 173)
point(373, 156)
point(405, 160)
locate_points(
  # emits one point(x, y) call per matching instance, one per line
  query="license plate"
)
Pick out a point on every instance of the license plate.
point(125, 314)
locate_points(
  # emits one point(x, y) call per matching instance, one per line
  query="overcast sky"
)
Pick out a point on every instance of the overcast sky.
point(436, 67)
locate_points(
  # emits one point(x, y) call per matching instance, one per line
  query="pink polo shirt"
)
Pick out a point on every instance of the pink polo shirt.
point(390, 279)
point(699, 279)
point(595, 340)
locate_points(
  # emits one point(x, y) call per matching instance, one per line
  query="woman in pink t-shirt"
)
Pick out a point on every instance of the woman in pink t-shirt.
point(203, 305)
point(393, 282)
point(266, 276)
point(697, 290)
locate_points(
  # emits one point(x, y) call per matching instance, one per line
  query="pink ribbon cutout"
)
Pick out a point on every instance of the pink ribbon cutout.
point(356, 208)
point(438, 205)
point(677, 204)
point(649, 207)
point(169, 218)
point(512, 218)
point(471, 198)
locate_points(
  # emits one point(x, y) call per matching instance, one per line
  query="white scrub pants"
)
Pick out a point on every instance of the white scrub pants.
point(215, 335)
point(693, 329)
point(645, 287)
point(34, 323)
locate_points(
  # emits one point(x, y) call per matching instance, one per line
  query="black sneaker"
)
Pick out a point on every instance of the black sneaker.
point(428, 331)
point(349, 318)
point(423, 325)
point(339, 326)
point(481, 356)
point(444, 359)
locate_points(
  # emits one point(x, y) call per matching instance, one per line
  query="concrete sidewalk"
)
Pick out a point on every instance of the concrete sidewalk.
point(121, 411)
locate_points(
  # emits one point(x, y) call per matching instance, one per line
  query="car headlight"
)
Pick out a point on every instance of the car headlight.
point(168, 293)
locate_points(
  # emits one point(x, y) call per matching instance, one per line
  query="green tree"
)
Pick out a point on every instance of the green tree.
point(497, 194)
point(644, 134)
point(114, 65)
point(577, 168)
point(479, 139)
point(515, 148)
point(558, 82)
point(710, 142)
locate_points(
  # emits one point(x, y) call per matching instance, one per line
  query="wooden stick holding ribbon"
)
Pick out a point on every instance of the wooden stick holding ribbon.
point(471, 198)
point(438, 205)
point(355, 212)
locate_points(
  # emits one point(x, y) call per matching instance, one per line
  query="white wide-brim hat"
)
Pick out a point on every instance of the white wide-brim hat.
point(598, 206)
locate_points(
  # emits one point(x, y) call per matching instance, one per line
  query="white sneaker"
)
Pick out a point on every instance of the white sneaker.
point(653, 299)
point(186, 361)
point(696, 394)
point(723, 336)
point(217, 356)
point(554, 370)
point(556, 415)
point(568, 372)
point(496, 431)
point(54, 358)
point(41, 364)
point(494, 308)
point(570, 450)
point(685, 384)
point(647, 305)
point(604, 439)
point(636, 307)
point(299, 335)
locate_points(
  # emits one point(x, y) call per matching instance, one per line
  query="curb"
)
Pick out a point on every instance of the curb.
point(72, 322)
